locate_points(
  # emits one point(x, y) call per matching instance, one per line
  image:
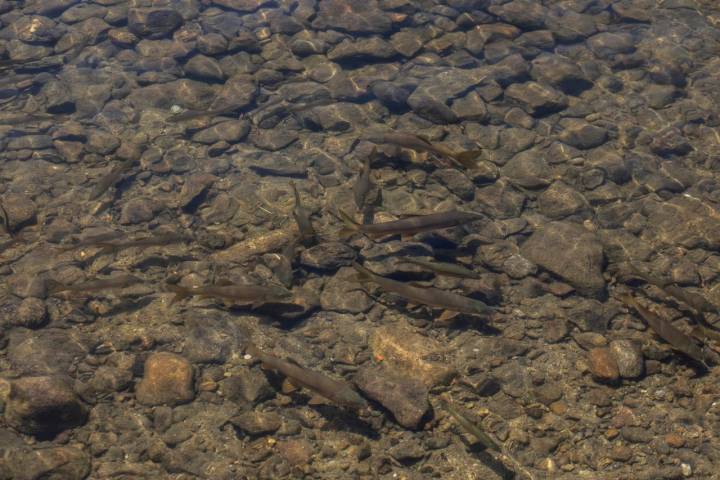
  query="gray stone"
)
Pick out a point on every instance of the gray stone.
point(257, 423)
point(328, 256)
point(560, 200)
point(580, 134)
point(406, 398)
point(629, 358)
point(569, 251)
point(528, 169)
point(536, 99)
point(204, 68)
point(153, 22)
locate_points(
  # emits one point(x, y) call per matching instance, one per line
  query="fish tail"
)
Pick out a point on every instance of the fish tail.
point(465, 158)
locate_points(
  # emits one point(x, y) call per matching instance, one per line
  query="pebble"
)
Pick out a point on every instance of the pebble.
point(167, 380)
point(628, 357)
point(43, 406)
point(603, 366)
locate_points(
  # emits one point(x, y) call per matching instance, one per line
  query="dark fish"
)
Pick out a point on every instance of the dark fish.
point(443, 268)
point(421, 144)
point(119, 281)
point(471, 427)
point(6, 220)
point(695, 301)
point(156, 240)
point(430, 296)
point(284, 270)
point(667, 331)
point(363, 183)
point(410, 225)
point(91, 241)
point(302, 216)
point(111, 178)
point(337, 391)
point(254, 295)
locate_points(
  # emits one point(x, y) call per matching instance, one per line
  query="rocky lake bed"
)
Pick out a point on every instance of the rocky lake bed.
point(344, 239)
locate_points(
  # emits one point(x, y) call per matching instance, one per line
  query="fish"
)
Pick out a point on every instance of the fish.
point(336, 391)
point(667, 331)
point(118, 281)
point(443, 268)
point(694, 300)
point(284, 270)
point(433, 297)
point(469, 425)
point(253, 295)
point(90, 241)
point(6, 220)
point(111, 178)
point(302, 216)
point(419, 143)
point(363, 184)
point(407, 226)
point(155, 240)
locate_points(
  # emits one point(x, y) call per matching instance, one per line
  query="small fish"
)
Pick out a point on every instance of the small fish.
point(118, 281)
point(363, 184)
point(469, 425)
point(667, 331)
point(421, 144)
point(430, 296)
point(443, 268)
point(337, 391)
point(253, 295)
point(695, 301)
point(111, 178)
point(156, 240)
point(408, 226)
point(284, 270)
point(302, 216)
point(91, 241)
point(6, 220)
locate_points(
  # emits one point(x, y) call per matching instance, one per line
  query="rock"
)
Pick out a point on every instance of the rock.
point(569, 251)
point(629, 358)
point(43, 406)
point(340, 294)
point(249, 385)
point(405, 350)
point(47, 463)
point(137, 210)
point(407, 42)
point(536, 99)
point(31, 313)
point(193, 189)
point(353, 16)
point(168, 379)
point(296, 452)
point(526, 14)
point(528, 169)
point(580, 134)
point(684, 221)
point(659, 96)
point(392, 94)
point(609, 44)
point(457, 182)
point(373, 48)
point(232, 131)
point(272, 140)
point(212, 44)
point(406, 398)
point(560, 200)
point(517, 267)
point(602, 365)
point(328, 256)
point(153, 22)
point(500, 201)
point(561, 73)
point(257, 423)
point(36, 353)
point(637, 434)
point(431, 108)
point(20, 210)
point(204, 68)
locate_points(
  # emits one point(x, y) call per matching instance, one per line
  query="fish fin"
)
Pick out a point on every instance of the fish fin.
point(348, 220)
point(447, 315)
point(466, 157)
point(317, 400)
point(288, 386)
point(424, 138)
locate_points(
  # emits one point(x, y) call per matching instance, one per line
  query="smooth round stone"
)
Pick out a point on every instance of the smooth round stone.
point(168, 379)
point(153, 22)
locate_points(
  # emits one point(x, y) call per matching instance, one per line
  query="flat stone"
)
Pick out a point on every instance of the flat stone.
point(602, 365)
point(373, 48)
point(569, 251)
point(561, 73)
point(168, 379)
point(405, 397)
point(153, 22)
point(609, 44)
point(257, 423)
point(581, 134)
point(43, 406)
point(354, 16)
point(47, 462)
point(561, 200)
point(536, 99)
point(528, 169)
point(405, 350)
point(328, 256)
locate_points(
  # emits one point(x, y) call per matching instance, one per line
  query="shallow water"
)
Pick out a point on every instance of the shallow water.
point(148, 143)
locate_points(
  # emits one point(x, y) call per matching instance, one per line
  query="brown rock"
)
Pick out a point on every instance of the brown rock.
point(674, 440)
point(602, 365)
point(168, 379)
point(404, 396)
point(295, 452)
point(408, 351)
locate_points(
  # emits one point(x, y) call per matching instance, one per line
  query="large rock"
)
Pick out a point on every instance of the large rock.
point(168, 379)
point(569, 251)
point(43, 406)
point(153, 22)
point(404, 396)
point(53, 463)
